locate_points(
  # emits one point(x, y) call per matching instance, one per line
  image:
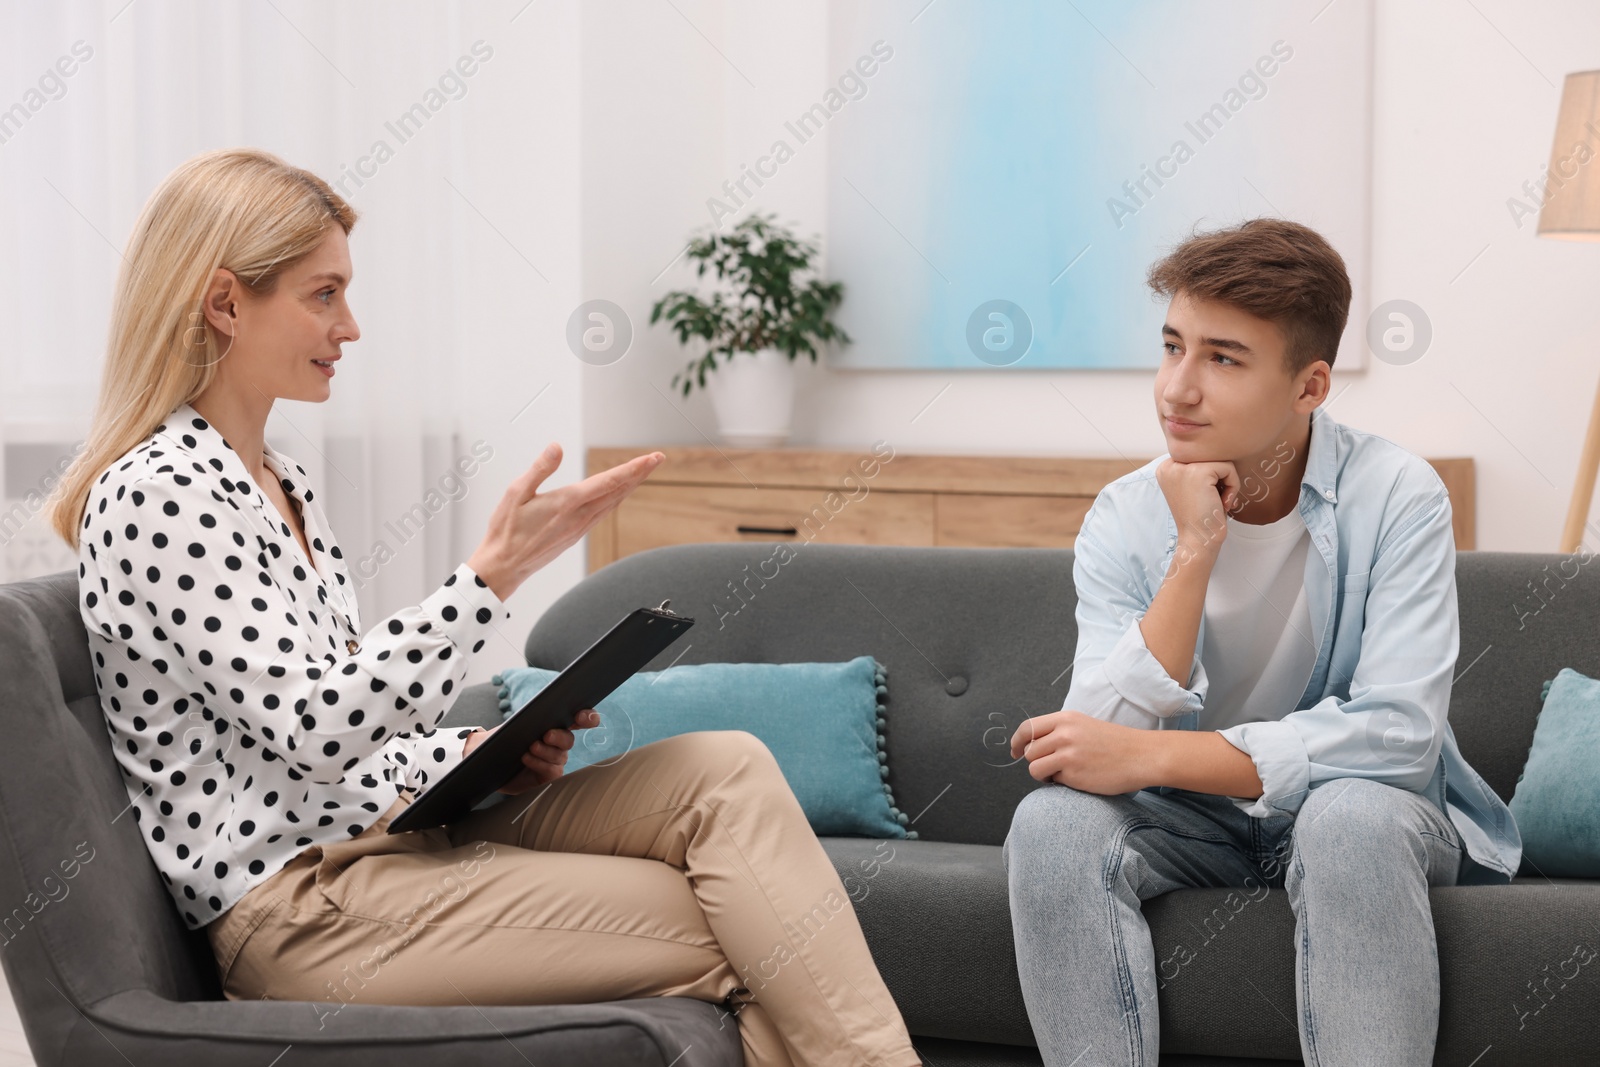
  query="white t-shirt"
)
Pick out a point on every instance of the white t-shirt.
point(1259, 648)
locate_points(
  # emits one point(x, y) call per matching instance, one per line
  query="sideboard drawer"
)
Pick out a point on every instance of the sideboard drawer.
point(978, 520)
point(728, 494)
point(657, 515)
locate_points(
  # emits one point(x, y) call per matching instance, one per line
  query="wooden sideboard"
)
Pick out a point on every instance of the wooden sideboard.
point(879, 498)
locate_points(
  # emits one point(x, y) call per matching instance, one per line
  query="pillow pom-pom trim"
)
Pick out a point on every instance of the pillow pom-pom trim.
point(880, 680)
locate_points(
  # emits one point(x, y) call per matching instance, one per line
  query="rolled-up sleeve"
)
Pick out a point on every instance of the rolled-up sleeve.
point(1115, 676)
point(1392, 727)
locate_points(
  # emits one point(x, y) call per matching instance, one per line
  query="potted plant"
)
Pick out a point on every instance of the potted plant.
point(766, 305)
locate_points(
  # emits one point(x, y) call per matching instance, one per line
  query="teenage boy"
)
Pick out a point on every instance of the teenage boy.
point(1267, 630)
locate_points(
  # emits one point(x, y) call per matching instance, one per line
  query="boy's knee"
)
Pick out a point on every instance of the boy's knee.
point(1352, 816)
point(1054, 818)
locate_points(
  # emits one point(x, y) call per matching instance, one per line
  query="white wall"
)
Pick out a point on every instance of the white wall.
point(467, 255)
point(520, 148)
point(1465, 103)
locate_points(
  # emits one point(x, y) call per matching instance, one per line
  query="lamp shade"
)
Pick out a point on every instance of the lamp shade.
point(1572, 206)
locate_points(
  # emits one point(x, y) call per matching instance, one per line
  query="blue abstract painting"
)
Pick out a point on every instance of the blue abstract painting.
point(1002, 174)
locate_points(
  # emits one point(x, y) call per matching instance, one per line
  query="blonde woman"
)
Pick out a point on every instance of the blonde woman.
point(266, 740)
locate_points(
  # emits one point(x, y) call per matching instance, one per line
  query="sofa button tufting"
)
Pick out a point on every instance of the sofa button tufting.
point(955, 686)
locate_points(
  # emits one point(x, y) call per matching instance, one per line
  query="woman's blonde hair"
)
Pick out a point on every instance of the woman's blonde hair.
point(241, 209)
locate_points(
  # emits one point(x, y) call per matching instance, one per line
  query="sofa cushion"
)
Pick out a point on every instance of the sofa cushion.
point(1557, 802)
point(939, 926)
point(937, 918)
point(821, 721)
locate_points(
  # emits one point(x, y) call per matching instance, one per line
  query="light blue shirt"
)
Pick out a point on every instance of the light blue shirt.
point(1381, 587)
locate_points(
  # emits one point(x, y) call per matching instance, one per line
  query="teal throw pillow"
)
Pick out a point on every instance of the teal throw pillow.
point(823, 723)
point(1557, 799)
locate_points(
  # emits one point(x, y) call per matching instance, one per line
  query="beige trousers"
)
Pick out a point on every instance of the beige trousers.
point(685, 868)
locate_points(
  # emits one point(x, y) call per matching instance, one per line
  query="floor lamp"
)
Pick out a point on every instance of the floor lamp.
point(1572, 211)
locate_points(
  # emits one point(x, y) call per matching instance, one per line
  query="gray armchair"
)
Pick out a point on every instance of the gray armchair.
point(104, 971)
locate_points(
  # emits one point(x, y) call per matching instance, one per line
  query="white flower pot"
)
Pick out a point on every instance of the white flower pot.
point(753, 397)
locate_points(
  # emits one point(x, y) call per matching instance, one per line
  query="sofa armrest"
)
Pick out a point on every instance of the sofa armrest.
point(151, 1029)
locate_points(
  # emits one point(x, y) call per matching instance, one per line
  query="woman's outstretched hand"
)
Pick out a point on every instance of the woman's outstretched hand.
point(528, 528)
point(545, 760)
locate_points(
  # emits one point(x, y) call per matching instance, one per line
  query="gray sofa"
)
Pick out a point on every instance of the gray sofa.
point(973, 639)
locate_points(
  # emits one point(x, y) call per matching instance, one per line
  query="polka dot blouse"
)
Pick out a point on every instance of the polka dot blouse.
point(249, 714)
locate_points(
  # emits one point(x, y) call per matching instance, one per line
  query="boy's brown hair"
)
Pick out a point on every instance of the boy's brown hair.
point(1274, 269)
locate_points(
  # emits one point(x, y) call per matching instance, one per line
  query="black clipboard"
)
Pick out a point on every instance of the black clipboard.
point(587, 680)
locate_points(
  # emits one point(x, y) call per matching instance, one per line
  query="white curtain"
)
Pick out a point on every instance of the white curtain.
point(466, 255)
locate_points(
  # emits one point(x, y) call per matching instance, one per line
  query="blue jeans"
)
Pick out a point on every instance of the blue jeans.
point(1356, 862)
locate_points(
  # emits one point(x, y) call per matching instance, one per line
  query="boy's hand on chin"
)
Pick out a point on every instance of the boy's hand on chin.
point(1200, 495)
point(1086, 753)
